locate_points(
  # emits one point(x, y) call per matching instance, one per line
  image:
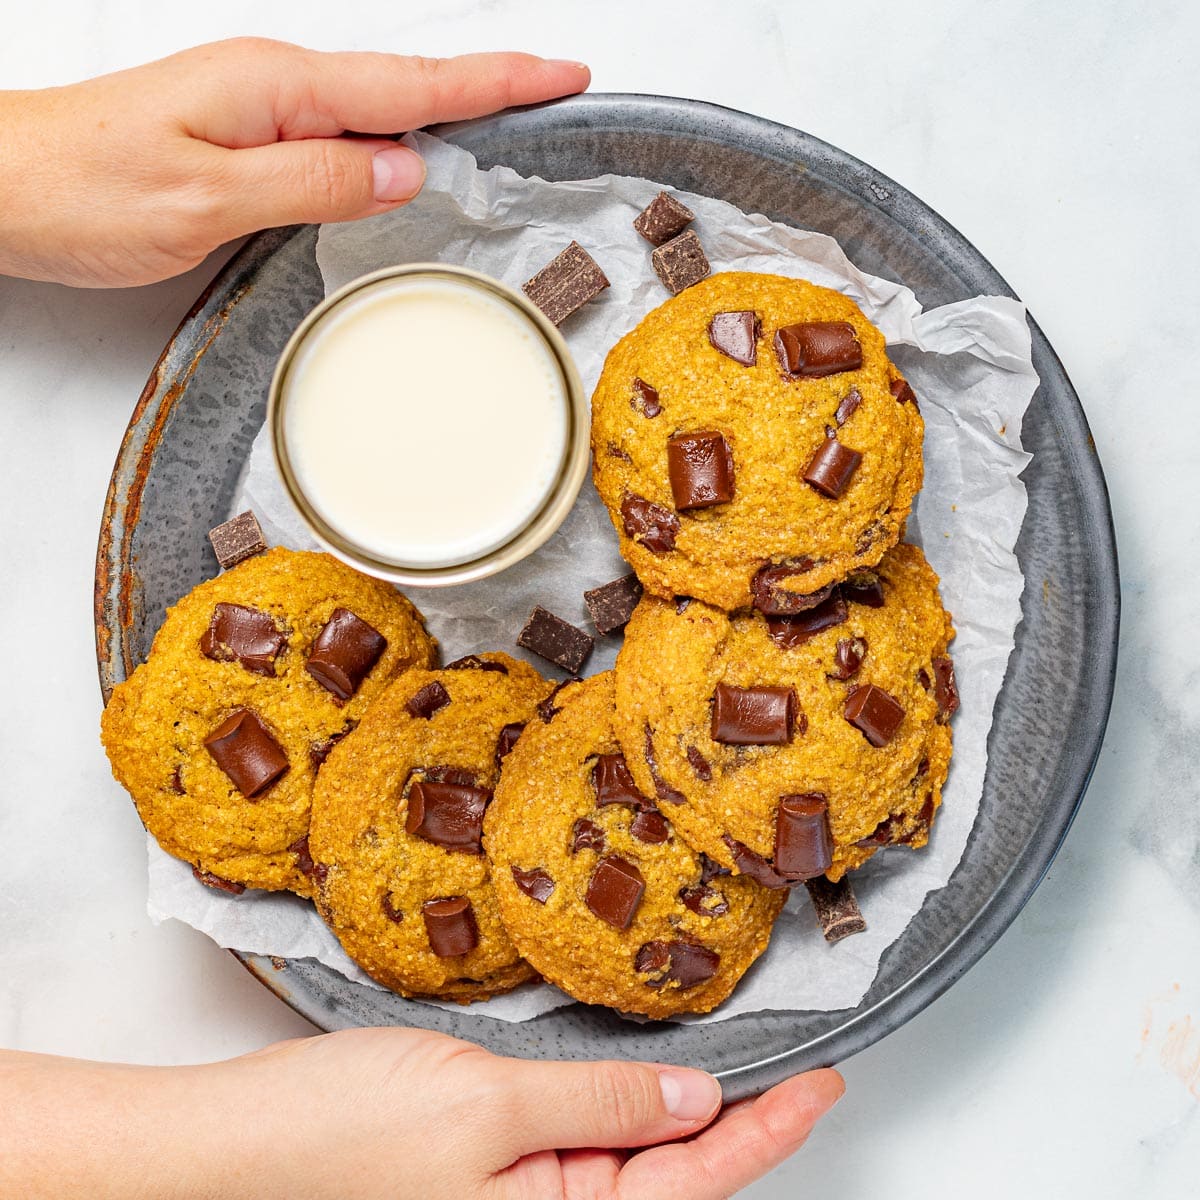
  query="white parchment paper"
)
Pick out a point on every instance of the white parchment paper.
point(968, 362)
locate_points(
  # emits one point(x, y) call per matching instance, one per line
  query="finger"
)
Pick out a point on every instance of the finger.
point(740, 1147)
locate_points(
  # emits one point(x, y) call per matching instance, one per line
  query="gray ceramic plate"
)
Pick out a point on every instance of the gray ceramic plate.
point(190, 435)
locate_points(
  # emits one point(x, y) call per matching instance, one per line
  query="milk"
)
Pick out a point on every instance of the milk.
point(425, 420)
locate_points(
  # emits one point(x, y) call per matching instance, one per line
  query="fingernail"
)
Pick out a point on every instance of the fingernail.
point(568, 62)
point(399, 174)
point(689, 1095)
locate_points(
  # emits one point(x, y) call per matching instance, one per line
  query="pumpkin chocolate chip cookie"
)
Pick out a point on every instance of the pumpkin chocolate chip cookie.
point(595, 887)
point(792, 747)
point(396, 827)
point(252, 677)
point(754, 444)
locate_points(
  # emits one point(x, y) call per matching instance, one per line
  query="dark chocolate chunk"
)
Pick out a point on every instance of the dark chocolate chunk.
point(875, 713)
point(456, 775)
point(662, 219)
point(535, 883)
point(245, 635)
point(651, 957)
point(775, 600)
point(650, 524)
point(815, 348)
point(318, 752)
point(848, 658)
point(848, 406)
point(176, 784)
point(752, 864)
point(704, 901)
point(586, 835)
point(680, 262)
point(869, 536)
point(736, 334)
point(215, 881)
point(566, 283)
point(614, 784)
point(238, 538)
point(790, 632)
point(753, 716)
point(472, 662)
point(886, 833)
point(836, 908)
point(710, 869)
point(448, 814)
point(555, 640)
point(863, 587)
point(615, 891)
point(661, 788)
point(344, 653)
point(390, 910)
point(427, 700)
point(700, 466)
point(923, 679)
point(450, 926)
point(945, 688)
point(507, 740)
point(900, 389)
point(681, 605)
point(803, 843)
point(244, 749)
point(317, 872)
point(612, 605)
point(645, 399)
point(831, 468)
point(615, 451)
point(686, 963)
point(649, 825)
point(549, 708)
point(699, 764)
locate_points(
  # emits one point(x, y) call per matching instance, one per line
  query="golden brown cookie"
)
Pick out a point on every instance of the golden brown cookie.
point(753, 443)
point(597, 890)
point(396, 825)
point(788, 748)
point(220, 734)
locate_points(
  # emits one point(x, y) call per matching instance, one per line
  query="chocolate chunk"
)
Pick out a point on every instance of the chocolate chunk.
point(700, 466)
point(848, 406)
point(803, 843)
point(686, 963)
point(549, 708)
point(507, 740)
point(614, 784)
point(318, 752)
point(889, 831)
point(450, 926)
point(215, 881)
point(645, 399)
point(536, 883)
point(863, 587)
point(427, 700)
point(923, 679)
point(680, 262)
point(649, 825)
point(317, 872)
point(945, 688)
point(244, 635)
point(875, 713)
point(455, 775)
point(699, 764)
point(555, 640)
point(612, 605)
point(244, 749)
point(652, 957)
point(586, 835)
point(662, 219)
point(710, 869)
point(661, 788)
point(566, 283)
point(681, 605)
point(900, 389)
point(869, 536)
point(836, 908)
point(344, 653)
point(736, 335)
point(790, 632)
point(752, 864)
point(816, 348)
point(390, 911)
point(176, 784)
point(615, 891)
point(237, 539)
point(831, 468)
point(448, 814)
point(848, 658)
point(472, 662)
point(615, 451)
point(649, 524)
point(753, 716)
point(704, 901)
point(773, 599)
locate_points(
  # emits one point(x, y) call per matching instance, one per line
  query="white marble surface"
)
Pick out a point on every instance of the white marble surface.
point(1060, 139)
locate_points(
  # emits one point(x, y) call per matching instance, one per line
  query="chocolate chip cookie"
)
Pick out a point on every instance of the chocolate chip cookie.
point(253, 676)
point(396, 826)
point(792, 747)
point(754, 444)
point(597, 889)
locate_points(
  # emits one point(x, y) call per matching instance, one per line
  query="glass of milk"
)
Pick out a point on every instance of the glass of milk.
point(429, 424)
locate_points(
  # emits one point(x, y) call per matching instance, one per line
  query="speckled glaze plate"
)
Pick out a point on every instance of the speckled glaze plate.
point(190, 436)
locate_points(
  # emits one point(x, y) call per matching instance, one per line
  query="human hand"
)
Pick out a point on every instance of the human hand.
point(136, 176)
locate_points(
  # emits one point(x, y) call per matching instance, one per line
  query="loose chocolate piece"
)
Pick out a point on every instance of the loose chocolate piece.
point(736, 334)
point(699, 764)
point(661, 788)
point(649, 825)
point(790, 632)
point(317, 872)
point(700, 466)
point(903, 393)
point(875, 713)
point(535, 883)
point(472, 662)
point(507, 740)
point(645, 399)
point(863, 587)
point(614, 784)
point(680, 262)
point(244, 749)
point(427, 700)
point(848, 658)
point(556, 640)
point(751, 863)
point(548, 709)
point(848, 406)
point(238, 538)
point(816, 348)
point(704, 901)
point(686, 963)
point(774, 600)
point(831, 468)
point(650, 524)
point(836, 908)
point(390, 910)
point(215, 881)
point(344, 653)
point(753, 716)
point(318, 752)
point(450, 926)
point(566, 283)
point(612, 605)
point(803, 843)
point(586, 835)
point(615, 891)
point(710, 869)
point(244, 635)
point(662, 219)
point(945, 688)
point(448, 814)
